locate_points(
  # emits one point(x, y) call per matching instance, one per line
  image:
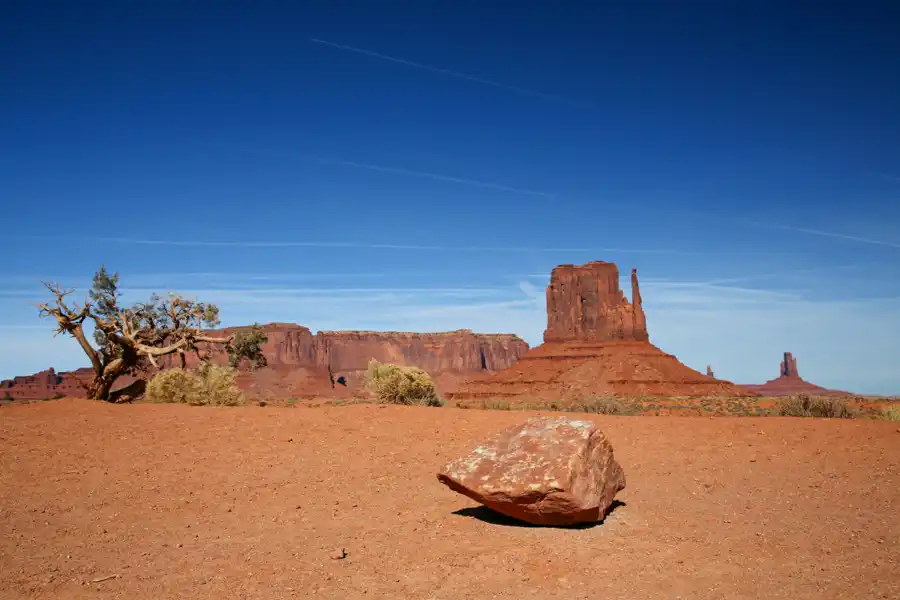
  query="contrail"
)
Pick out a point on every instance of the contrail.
point(409, 63)
point(779, 274)
point(402, 171)
point(886, 176)
point(831, 234)
point(387, 169)
point(740, 221)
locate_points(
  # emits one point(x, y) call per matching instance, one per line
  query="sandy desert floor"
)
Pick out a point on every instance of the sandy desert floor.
point(182, 502)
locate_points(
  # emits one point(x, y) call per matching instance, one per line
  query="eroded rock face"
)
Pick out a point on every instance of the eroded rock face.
point(709, 371)
point(546, 471)
point(585, 303)
point(789, 366)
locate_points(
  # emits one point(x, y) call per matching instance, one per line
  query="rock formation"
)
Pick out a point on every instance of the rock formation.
point(596, 344)
point(301, 363)
point(789, 366)
point(546, 471)
point(789, 382)
point(585, 303)
point(709, 371)
point(43, 385)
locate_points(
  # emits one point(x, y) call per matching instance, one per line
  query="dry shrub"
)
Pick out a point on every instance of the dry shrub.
point(207, 385)
point(495, 404)
point(394, 384)
point(803, 405)
point(597, 406)
point(891, 413)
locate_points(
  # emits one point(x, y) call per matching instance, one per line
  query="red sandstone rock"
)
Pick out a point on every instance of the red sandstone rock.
point(596, 344)
point(789, 383)
point(639, 327)
point(585, 303)
point(44, 385)
point(546, 471)
point(789, 366)
point(301, 364)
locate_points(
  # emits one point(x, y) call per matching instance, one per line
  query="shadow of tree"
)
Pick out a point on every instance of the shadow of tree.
point(486, 515)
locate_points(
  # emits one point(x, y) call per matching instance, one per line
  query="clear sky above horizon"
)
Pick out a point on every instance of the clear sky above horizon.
point(423, 166)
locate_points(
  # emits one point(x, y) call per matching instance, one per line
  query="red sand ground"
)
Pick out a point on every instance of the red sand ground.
point(184, 502)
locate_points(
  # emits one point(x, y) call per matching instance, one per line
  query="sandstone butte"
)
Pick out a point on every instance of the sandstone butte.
point(328, 363)
point(789, 382)
point(596, 344)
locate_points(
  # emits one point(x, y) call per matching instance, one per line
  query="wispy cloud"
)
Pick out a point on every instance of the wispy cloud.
point(449, 73)
point(326, 244)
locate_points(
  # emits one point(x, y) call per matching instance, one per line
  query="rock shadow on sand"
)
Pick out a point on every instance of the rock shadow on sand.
point(486, 515)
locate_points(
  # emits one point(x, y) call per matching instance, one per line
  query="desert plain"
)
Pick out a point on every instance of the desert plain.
point(171, 501)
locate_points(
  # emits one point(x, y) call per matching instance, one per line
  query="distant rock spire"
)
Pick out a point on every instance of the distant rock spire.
point(789, 366)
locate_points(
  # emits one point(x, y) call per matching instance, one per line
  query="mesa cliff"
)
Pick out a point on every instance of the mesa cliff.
point(596, 344)
point(789, 382)
point(327, 363)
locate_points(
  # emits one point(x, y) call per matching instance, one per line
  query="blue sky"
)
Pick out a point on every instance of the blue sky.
point(423, 166)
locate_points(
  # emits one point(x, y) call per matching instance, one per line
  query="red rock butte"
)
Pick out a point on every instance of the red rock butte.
point(596, 344)
point(789, 382)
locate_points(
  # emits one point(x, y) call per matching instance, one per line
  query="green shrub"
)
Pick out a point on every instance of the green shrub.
point(208, 384)
point(394, 384)
point(803, 405)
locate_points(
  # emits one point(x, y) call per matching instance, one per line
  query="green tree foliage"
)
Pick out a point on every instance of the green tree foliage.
point(246, 345)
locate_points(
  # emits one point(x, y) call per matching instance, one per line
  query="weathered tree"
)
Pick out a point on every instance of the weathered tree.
point(129, 340)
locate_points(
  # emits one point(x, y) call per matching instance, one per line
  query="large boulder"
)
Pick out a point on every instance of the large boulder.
point(546, 471)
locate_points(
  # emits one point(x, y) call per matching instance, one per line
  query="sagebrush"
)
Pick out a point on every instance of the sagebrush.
point(394, 384)
point(207, 385)
point(891, 413)
point(803, 405)
point(597, 406)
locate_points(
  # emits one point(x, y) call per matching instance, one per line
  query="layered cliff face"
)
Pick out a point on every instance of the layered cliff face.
point(596, 344)
point(459, 351)
point(585, 303)
point(301, 363)
point(789, 382)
